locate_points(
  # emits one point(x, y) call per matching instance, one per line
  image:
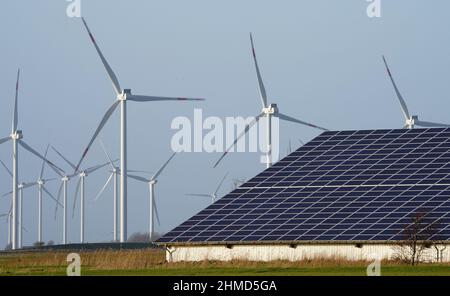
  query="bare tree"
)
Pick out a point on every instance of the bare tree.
point(440, 252)
point(418, 236)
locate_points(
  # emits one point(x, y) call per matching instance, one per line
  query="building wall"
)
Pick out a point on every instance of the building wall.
point(301, 252)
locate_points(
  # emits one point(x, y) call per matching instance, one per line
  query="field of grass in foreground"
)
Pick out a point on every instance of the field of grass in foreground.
point(152, 262)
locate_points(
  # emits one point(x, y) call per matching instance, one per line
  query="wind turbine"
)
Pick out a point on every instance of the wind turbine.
point(410, 121)
point(16, 137)
point(21, 187)
point(65, 178)
point(268, 111)
point(152, 183)
point(115, 171)
point(82, 174)
point(213, 196)
point(122, 96)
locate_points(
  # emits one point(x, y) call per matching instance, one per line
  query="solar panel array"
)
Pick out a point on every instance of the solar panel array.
point(342, 186)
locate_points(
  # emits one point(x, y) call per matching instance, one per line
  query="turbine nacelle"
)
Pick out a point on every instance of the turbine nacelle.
point(409, 123)
point(40, 182)
point(17, 135)
point(271, 109)
point(123, 95)
point(152, 182)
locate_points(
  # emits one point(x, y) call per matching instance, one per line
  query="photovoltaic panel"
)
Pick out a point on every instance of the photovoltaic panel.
point(342, 186)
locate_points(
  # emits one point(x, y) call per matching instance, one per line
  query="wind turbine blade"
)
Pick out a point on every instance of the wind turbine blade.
point(262, 90)
point(430, 124)
point(27, 147)
point(6, 168)
point(137, 171)
point(221, 182)
point(138, 178)
point(43, 163)
point(59, 198)
point(104, 187)
point(199, 195)
point(158, 172)
point(76, 197)
point(3, 140)
point(3, 215)
point(51, 196)
point(155, 208)
point(105, 118)
point(111, 164)
point(15, 113)
point(64, 158)
point(95, 168)
point(28, 185)
point(399, 95)
point(6, 194)
point(112, 75)
point(292, 119)
point(247, 128)
point(138, 98)
point(49, 180)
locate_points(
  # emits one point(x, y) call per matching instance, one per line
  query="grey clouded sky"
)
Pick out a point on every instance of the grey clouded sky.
point(320, 61)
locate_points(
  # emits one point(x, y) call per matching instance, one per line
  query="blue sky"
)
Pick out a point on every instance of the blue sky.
point(320, 61)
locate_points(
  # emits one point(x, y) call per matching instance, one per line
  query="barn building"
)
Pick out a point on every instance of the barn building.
point(355, 195)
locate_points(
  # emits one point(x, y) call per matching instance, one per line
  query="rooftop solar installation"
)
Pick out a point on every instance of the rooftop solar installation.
point(362, 185)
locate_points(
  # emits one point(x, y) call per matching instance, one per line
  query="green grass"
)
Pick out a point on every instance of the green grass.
point(398, 270)
point(152, 263)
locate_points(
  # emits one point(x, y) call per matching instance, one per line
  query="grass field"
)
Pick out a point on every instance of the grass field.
point(152, 262)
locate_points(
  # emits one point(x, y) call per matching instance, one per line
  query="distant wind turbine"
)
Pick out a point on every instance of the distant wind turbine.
point(122, 96)
point(21, 187)
point(115, 171)
point(152, 183)
point(16, 137)
point(63, 188)
point(410, 121)
point(268, 111)
point(213, 196)
point(82, 174)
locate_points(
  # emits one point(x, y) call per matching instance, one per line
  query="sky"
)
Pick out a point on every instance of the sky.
point(320, 62)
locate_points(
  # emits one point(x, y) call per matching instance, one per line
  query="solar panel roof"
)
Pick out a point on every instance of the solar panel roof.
point(363, 185)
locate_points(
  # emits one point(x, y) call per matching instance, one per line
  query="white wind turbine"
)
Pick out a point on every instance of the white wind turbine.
point(16, 137)
point(115, 171)
point(122, 96)
point(213, 196)
point(21, 187)
point(113, 176)
point(268, 111)
point(410, 121)
point(153, 211)
point(82, 174)
point(65, 178)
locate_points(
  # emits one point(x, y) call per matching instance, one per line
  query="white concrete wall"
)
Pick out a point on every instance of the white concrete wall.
point(285, 252)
